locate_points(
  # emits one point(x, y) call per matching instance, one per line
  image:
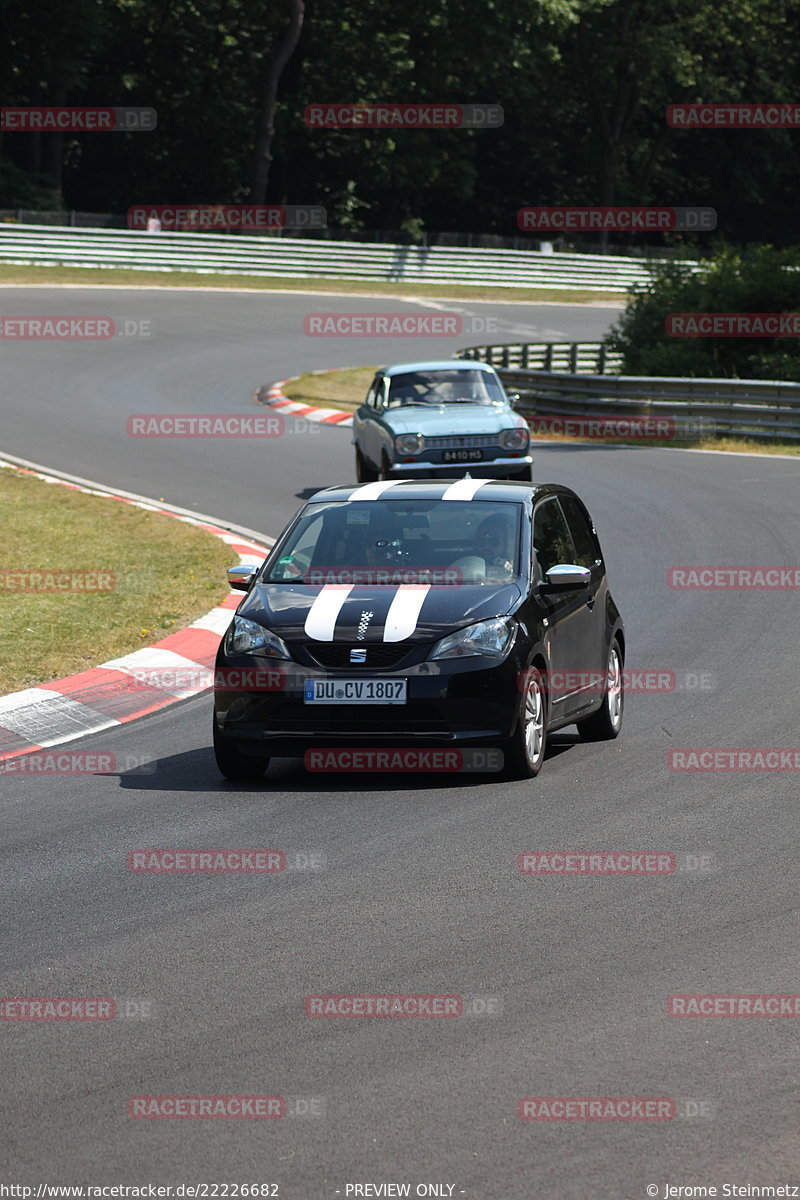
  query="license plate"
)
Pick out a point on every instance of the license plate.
point(355, 691)
point(462, 456)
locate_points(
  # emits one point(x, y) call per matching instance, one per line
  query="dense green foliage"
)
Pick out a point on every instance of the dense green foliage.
point(757, 280)
point(584, 85)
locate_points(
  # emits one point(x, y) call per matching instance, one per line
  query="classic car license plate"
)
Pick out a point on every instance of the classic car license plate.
point(462, 456)
point(355, 691)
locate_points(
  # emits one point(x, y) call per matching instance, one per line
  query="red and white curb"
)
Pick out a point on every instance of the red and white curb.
point(272, 395)
point(123, 689)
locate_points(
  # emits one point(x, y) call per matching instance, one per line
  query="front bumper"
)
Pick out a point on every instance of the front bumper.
point(483, 467)
point(471, 702)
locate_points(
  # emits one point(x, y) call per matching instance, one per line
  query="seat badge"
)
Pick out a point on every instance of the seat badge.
point(358, 656)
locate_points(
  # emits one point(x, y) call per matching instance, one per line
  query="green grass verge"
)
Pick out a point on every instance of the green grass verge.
point(11, 273)
point(347, 388)
point(167, 573)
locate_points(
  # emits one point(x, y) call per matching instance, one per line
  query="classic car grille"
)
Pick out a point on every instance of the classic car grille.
point(468, 441)
point(335, 654)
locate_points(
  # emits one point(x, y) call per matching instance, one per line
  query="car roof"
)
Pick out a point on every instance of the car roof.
point(509, 490)
point(439, 364)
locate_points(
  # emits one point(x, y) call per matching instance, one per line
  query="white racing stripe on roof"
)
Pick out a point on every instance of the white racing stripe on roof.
point(403, 614)
point(371, 491)
point(324, 612)
point(464, 489)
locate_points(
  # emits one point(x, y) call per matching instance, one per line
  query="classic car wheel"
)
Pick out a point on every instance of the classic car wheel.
point(385, 471)
point(364, 472)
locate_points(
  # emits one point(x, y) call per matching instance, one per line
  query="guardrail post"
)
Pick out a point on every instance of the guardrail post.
point(548, 357)
point(490, 355)
point(601, 359)
point(505, 356)
point(573, 359)
point(526, 350)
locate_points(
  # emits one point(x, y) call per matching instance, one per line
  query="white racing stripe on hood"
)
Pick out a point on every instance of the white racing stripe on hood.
point(464, 489)
point(324, 612)
point(371, 491)
point(401, 619)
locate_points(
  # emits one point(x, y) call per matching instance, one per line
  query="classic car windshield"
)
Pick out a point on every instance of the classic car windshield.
point(444, 387)
point(393, 542)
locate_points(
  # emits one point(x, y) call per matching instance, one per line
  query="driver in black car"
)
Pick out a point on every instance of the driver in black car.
point(494, 541)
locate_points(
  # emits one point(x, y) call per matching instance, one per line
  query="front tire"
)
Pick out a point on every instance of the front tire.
point(526, 749)
point(234, 765)
point(364, 473)
point(605, 724)
point(385, 471)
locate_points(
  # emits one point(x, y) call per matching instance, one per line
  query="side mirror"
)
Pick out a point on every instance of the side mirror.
point(241, 577)
point(567, 577)
point(513, 399)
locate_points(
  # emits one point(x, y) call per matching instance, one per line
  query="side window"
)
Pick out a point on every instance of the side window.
point(374, 391)
point(587, 550)
point(552, 542)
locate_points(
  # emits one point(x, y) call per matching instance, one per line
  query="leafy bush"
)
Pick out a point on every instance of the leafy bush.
point(760, 279)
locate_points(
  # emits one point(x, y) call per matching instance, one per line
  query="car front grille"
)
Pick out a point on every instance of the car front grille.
point(466, 441)
point(378, 657)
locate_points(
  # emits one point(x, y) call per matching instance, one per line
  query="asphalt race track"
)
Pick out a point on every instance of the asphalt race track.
point(418, 890)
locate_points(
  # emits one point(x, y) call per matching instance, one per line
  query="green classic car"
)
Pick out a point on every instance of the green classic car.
point(439, 419)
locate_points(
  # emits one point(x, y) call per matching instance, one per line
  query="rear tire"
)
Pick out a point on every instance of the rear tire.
point(234, 765)
point(605, 724)
point(364, 473)
point(526, 749)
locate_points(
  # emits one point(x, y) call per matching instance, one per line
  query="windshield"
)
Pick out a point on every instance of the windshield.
point(445, 387)
point(394, 542)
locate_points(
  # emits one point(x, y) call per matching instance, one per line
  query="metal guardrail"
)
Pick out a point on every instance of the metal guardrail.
point(549, 356)
point(756, 408)
point(305, 258)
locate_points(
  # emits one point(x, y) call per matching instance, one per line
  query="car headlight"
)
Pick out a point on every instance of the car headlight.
point(409, 443)
point(490, 638)
point(514, 439)
point(248, 637)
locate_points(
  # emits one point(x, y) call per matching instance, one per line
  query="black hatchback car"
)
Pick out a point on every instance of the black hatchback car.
point(458, 614)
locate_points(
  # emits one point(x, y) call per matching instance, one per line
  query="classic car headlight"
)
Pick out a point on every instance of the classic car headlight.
point(491, 638)
point(409, 443)
point(514, 439)
point(248, 637)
